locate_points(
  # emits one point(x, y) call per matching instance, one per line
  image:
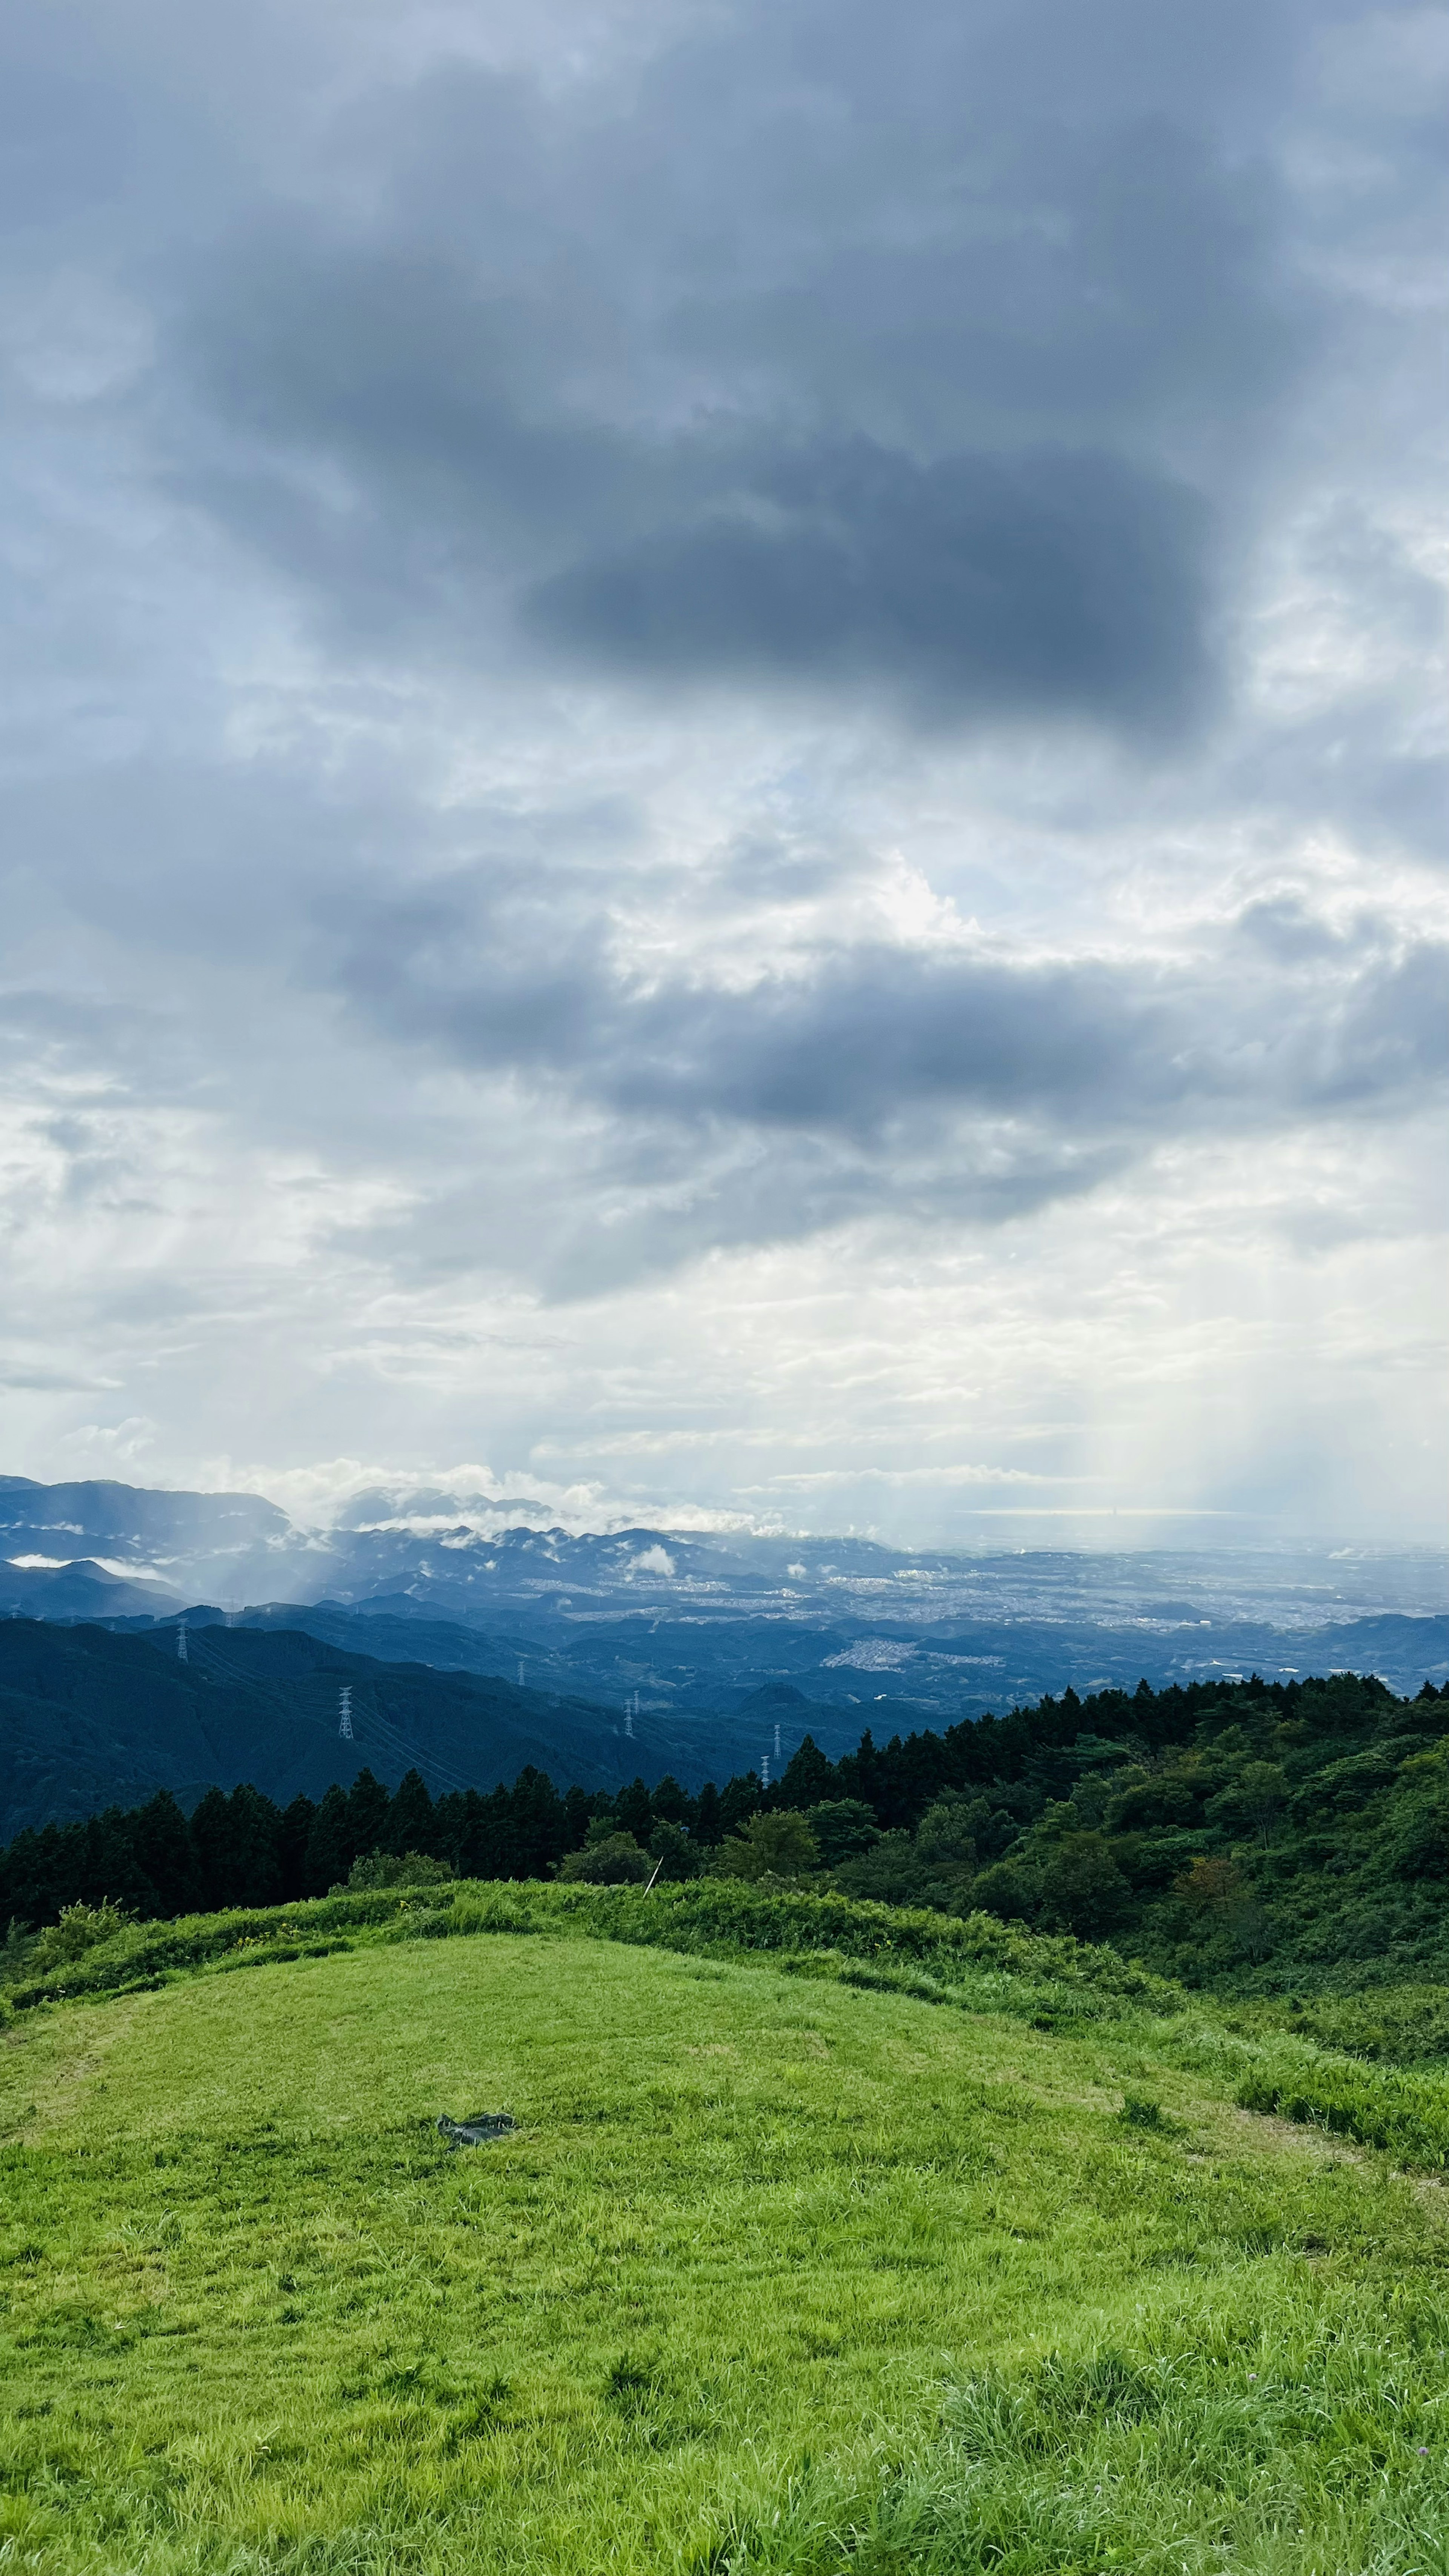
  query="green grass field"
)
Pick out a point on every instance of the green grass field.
point(774, 2274)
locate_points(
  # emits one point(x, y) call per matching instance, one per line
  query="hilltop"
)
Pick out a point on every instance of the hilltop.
point(819, 2242)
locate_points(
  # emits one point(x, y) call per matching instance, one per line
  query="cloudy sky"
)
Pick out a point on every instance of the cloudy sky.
point(723, 773)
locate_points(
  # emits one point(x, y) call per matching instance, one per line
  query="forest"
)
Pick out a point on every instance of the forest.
point(1249, 1834)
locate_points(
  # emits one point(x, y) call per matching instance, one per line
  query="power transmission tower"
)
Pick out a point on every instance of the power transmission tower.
point(629, 1718)
point(764, 1770)
point(520, 1672)
point(777, 1744)
point(182, 1656)
point(344, 1712)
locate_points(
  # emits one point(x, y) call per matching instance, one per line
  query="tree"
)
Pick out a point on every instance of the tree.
point(671, 1847)
point(809, 1779)
point(778, 1845)
point(634, 1812)
point(709, 1822)
point(1007, 1890)
point(211, 1842)
point(256, 1847)
point(296, 1829)
point(1257, 1798)
point(1082, 1888)
point(410, 1817)
point(739, 1798)
point(161, 1840)
point(368, 1810)
point(669, 1801)
point(843, 1827)
point(946, 1836)
point(892, 1872)
point(615, 1860)
point(331, 1849)
point(539, 1822)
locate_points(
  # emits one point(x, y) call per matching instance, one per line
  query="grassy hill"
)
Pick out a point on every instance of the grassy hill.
point(812, 2250)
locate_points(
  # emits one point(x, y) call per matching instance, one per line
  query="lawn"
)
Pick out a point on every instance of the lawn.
point(773, 2272)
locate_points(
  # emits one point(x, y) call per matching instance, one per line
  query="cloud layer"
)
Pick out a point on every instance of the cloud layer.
point(677, 670)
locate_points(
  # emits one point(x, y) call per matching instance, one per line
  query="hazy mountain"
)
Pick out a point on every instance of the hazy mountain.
point(685, 1631)
point(91, 1718)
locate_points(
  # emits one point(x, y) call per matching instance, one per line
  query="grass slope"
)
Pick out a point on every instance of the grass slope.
point(776, 2273)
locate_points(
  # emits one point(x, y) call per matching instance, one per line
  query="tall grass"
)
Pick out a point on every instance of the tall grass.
point(1296, 2442)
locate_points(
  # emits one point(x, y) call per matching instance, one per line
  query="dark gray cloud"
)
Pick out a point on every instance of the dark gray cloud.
point(813, 354)
point(1063, 584)
point(878, 1045)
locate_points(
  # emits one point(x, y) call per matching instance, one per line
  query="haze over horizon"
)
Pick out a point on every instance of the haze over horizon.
point(723, 762)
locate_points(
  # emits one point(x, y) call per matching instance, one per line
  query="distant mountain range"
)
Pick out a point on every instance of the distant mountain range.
point(723, 1650)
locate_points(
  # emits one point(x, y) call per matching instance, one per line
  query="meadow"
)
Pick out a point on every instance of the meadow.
point(802, 2256)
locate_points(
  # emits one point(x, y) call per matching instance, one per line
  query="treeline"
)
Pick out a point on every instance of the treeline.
point(1208, 1826)
point(243, 1849)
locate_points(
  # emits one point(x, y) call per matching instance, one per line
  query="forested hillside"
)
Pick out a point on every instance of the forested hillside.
point(1253, 1834)
point(90, 1719)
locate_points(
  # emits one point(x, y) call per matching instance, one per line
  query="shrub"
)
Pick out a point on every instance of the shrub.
point(1008, 1891)
point(777, 1846)
point(398, 1869)
point(79, 1929)
point(614, 1861)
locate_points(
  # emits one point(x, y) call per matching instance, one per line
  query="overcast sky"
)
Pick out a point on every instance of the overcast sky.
point(723, 770)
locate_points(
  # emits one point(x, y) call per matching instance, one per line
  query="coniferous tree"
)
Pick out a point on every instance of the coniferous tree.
point(708, 1816)
point(410, 1817)
point(255, 1849)
point(211, 1842)
point(161, 1840)
point(634, 1812)
point(809, 1777)
point(293, 1838)
point(489, 1851)
point(539, 1823)
point(368, 1810)
point(741, 1797)
point(331, 1849)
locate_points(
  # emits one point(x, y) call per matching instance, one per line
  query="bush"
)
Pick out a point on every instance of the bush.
point(398, 1869)
point(1008, 1891)
point(79, 1929)
point(892, 1872)
point(776, 1846)
point(615, 1860)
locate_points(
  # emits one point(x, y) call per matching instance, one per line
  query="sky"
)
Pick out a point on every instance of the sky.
point(723, 770)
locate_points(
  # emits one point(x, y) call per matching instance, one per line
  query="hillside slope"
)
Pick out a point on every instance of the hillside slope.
point(90, 1719)
point(772, 2273)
